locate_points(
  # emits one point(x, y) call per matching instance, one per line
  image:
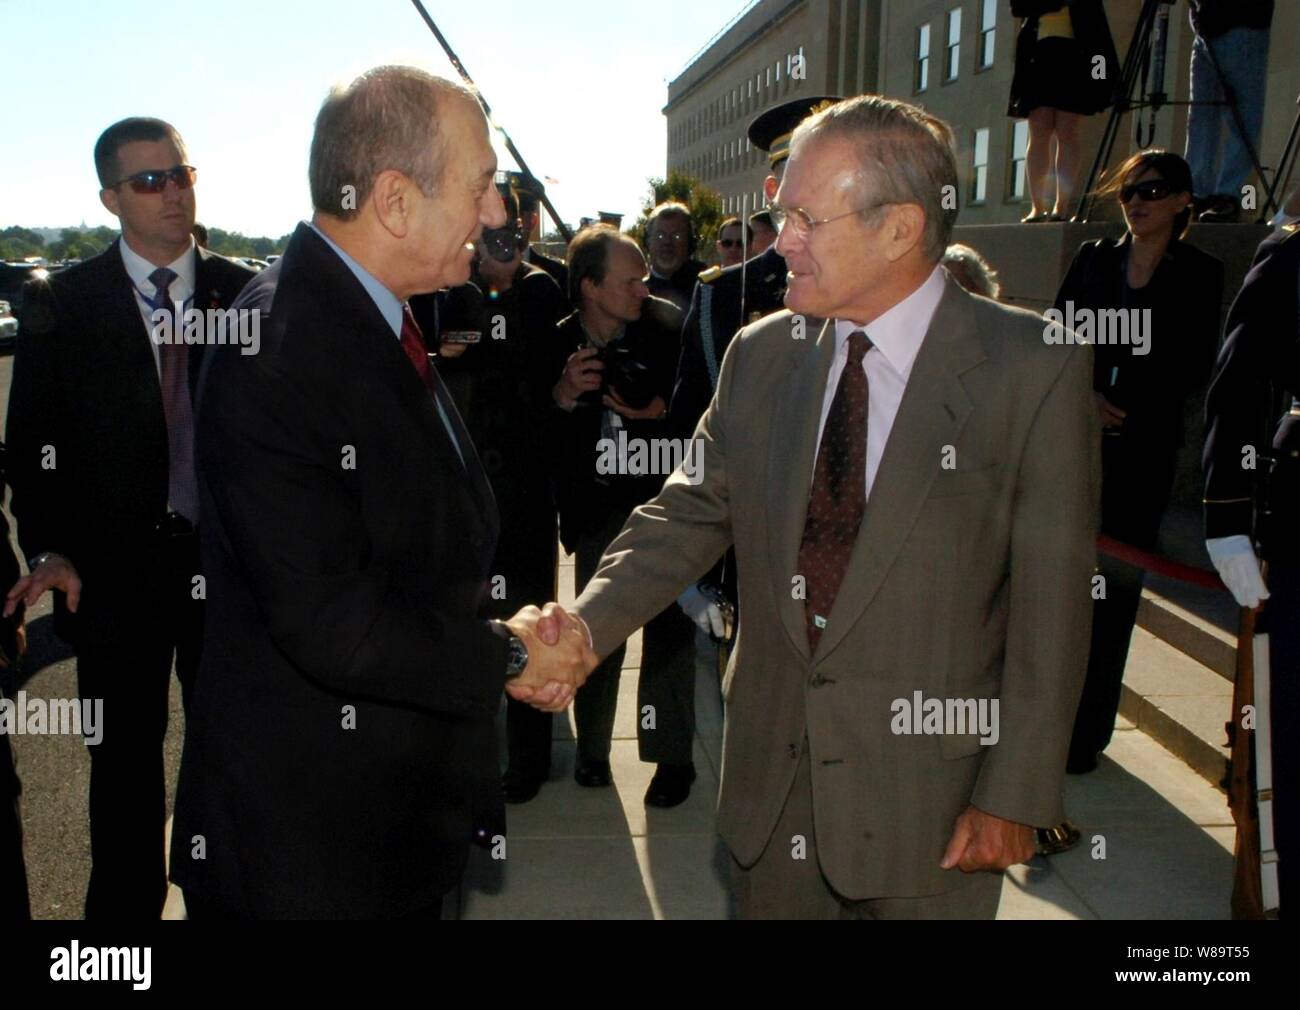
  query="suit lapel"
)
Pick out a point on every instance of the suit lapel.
point(126, 337)
point(933, 411)
point(796, 417)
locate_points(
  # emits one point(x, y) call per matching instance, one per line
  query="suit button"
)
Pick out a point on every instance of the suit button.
point(820, 681)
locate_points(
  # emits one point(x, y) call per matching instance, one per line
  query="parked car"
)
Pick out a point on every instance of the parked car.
point(12, 278)
point(8, 326)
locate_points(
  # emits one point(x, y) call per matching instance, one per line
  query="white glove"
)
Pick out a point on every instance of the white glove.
point(1234, 558)
point(706, 614)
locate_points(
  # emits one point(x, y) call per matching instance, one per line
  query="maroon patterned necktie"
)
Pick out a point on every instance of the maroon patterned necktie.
point(174, 378)
point(839, 493)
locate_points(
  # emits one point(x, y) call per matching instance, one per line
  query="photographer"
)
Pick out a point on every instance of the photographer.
point(619, 355)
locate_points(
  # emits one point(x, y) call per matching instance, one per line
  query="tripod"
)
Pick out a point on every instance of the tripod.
point(1145, 61)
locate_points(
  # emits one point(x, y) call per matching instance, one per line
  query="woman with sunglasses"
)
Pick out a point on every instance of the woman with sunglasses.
point(1170, 294)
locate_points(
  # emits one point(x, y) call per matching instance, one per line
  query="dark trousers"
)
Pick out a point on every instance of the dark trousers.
point(125, 659)
point(1136, 482)
point(1282, 621)
point(14, 905)
point(665, 693)
point(781, 887)
point(199, 910)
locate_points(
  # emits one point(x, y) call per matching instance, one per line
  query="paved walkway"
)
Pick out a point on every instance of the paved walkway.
point(1157, 838)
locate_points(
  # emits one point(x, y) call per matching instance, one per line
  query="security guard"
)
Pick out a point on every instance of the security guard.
point(724, 301)
point(1252, 494)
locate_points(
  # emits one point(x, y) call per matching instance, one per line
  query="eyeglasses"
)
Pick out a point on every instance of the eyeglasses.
point(730, 243)
point(154, 180)
point(1149, 191)
point(803, 224)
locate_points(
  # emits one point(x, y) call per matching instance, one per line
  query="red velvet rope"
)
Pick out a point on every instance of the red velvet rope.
point(1155, 563)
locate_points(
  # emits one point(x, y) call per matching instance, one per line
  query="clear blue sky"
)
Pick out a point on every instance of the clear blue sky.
point(579, 84)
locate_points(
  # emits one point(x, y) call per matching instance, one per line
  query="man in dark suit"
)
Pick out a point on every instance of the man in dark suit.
point(341, 754)
point(100, 419)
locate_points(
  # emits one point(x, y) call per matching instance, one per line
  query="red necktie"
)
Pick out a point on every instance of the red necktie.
point(839, 493)
point(413, 345)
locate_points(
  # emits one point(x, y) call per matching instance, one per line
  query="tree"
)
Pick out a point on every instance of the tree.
point(18, 243)
point(705, 205)
point(75, 244)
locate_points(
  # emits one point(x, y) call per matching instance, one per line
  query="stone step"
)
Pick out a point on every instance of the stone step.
point(1189, 633)
point(1179, 702)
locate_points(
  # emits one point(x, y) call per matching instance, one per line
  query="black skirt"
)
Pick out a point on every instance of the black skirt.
point(1055, 74)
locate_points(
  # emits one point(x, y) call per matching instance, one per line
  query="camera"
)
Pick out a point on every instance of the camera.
point(631, 379)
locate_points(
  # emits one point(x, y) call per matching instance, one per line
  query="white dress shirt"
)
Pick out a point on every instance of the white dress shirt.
point(896, 338)
point(138, 269)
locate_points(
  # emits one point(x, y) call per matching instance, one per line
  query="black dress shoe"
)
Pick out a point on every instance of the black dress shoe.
point(670, 786)
point(1081, 764)
point(592, 774)
point(520, 787)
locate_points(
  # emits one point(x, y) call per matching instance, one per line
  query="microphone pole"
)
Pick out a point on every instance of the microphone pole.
point(487, 111)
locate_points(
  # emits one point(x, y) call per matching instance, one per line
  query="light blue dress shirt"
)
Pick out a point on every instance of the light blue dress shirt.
point(391, 309)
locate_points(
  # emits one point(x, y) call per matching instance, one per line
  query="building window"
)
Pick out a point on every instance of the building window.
point(923, 57)
point(1019, 144)
point(980, 165)
point(953, 59)
point(988, 29)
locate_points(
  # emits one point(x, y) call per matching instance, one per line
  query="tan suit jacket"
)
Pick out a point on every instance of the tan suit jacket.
point(965, 583)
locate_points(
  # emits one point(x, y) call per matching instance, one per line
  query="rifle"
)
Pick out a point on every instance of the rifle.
point(1250, 782)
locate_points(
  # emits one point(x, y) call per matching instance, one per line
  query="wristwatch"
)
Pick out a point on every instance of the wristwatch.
point(517, 658)
point(40, 559)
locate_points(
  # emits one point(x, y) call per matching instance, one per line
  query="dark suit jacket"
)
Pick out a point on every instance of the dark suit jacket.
point(680, 286)
point(340, 753)
point(1257, 374)
point(583, 496)
point(86, 383)
point(1184, 295)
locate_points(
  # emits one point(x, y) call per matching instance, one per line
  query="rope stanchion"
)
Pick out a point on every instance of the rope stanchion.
point(1161, 566)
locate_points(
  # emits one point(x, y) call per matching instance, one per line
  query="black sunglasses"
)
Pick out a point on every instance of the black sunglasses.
point(730, 243)
point(154, 180)
point(1152, 189)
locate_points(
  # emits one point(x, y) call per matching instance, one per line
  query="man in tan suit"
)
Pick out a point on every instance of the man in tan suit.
point(908, 474)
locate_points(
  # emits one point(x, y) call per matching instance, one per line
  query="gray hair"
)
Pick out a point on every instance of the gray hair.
point(906, 156)
point(670, 208)
point(971, 270)
point(386, 119)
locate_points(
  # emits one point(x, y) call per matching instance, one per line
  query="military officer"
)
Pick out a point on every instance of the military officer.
point(1256, 380)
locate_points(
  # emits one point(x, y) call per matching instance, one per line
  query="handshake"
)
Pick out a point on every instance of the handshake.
point(560, 658)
